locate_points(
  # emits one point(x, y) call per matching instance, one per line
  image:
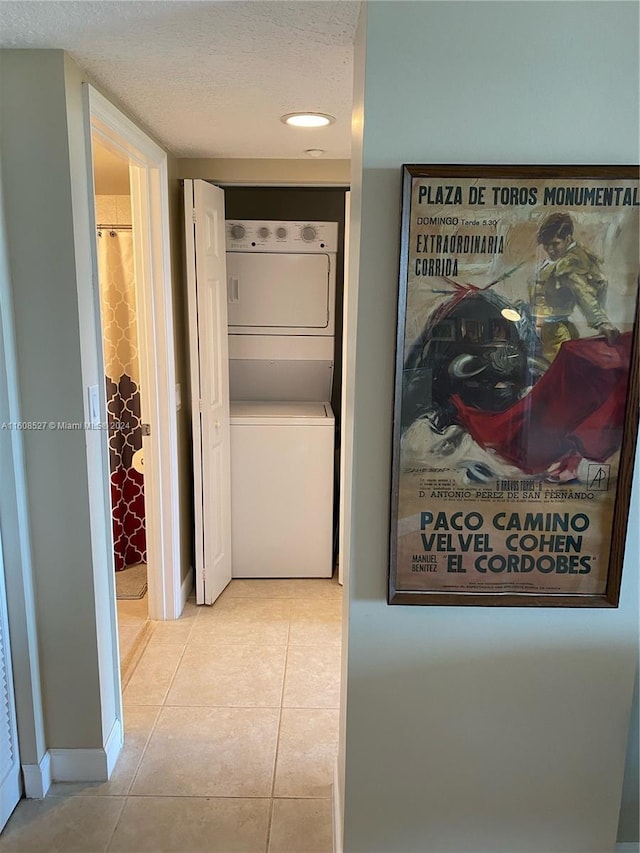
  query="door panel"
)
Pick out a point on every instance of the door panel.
point(10, 779)
point(216, 477)
point(204, 210)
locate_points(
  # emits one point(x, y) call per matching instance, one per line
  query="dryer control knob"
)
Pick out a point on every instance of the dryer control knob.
point(281, 232)
point(263, 233)
point(238, 232)
point(308, 233)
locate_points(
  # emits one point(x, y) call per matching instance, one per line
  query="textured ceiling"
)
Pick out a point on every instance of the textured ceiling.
point(209, 79)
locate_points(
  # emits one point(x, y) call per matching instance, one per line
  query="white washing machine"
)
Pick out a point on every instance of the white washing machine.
point(281, 294)
point(282, 489)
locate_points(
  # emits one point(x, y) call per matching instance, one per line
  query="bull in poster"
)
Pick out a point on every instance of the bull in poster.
point(516, 397)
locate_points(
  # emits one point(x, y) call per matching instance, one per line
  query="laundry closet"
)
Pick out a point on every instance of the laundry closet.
point(284, 259)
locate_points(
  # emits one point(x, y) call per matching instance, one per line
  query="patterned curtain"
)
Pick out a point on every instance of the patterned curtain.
point(120, 341)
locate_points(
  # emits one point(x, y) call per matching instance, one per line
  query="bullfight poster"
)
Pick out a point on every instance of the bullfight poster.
point(516, 396)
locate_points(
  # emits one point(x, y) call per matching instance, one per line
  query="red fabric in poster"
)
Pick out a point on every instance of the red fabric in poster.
point(576, 407)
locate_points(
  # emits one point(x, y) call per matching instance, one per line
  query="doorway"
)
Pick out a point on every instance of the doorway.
point(315, 203)
point(263, 363)
point(147, 168)
point(121, 347)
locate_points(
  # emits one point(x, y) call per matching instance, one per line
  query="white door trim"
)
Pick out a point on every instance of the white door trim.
point(150, 207)
point(346, 430)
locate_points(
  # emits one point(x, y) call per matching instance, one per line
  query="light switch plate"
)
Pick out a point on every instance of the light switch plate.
point(94, 405)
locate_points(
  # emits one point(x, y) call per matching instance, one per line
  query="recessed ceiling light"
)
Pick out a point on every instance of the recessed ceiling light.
point(307, 119)
point(315, 152)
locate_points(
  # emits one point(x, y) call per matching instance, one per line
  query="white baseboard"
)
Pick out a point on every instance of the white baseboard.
point(337, 812)
point(78, 765)
point(37, 778)
point(87, 765)
point(628, 847)
point(113, 746)
point(185, 589)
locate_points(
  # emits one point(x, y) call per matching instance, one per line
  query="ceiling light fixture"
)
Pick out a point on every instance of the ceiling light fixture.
point(307, 119)
point(315, 152)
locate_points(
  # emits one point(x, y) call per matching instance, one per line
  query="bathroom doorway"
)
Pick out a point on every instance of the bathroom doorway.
point(121, 346)
point(150, 315)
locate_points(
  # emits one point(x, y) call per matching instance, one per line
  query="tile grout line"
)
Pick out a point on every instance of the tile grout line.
point(277, 750)
point(155, 722)
point(284, 679)
point(134, 775)
point(124, 730)
point(65, 797)
point(160, 707)
point(115, 827)
point(175, 672)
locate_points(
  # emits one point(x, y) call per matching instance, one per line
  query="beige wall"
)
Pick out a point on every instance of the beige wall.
point(476, 730)
point(41, 151)
point(274, 172)
point(46, 192)
point(110, 171)
point(15, 533)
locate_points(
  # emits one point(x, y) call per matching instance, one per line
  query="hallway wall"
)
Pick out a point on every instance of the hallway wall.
point(39, 160)
point(14, 525)
point(476, 730)
point(48, 239)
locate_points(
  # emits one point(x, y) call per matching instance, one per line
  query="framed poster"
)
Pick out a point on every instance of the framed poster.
point(516, 388)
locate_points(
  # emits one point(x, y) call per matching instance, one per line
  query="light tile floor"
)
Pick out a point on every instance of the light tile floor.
point(133, 631)
point(231, 727)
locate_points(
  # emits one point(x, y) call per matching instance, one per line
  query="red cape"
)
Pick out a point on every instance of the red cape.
point(577, 406)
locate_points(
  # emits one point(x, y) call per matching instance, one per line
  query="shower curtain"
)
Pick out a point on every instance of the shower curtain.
point(120, 343)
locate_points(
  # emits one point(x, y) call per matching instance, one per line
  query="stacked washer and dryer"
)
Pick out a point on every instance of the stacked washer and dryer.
point(281, 282)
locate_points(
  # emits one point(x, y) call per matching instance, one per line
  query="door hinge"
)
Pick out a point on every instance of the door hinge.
point(193, 215)
point(146, 429)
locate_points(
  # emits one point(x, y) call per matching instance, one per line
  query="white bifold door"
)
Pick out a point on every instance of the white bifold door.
point(10, 778)
point(209, 363)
